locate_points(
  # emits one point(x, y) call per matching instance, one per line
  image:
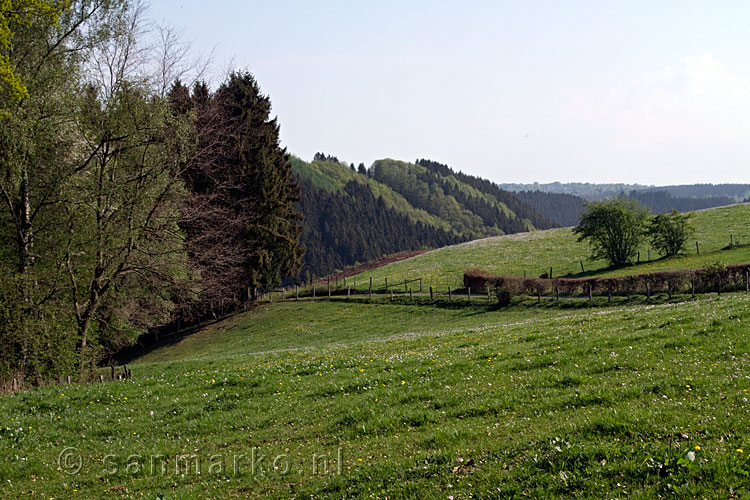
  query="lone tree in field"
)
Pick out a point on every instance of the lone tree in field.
point(614, 229)
point(669, 232)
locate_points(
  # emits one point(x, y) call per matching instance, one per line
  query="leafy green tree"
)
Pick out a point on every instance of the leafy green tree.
point(18, 15)
point(670, 232)
point(613, 228)
point(39, 151)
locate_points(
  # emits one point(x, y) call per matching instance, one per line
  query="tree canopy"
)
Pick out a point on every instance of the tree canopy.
point(613, 228)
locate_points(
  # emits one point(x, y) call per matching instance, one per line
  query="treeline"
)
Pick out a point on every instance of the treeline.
point(663, 202)
point(354, 226)
point(355, 214)
point(563, 209)
point(591, 191)
point(520, 208)
point(129, 200)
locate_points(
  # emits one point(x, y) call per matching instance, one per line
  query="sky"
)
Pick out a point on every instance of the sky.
point(514, 91)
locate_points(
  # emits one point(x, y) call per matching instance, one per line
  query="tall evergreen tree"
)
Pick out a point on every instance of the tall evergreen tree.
point(242, 228)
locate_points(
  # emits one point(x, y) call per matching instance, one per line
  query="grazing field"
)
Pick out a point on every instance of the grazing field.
point(335, 399)
point(535, 252)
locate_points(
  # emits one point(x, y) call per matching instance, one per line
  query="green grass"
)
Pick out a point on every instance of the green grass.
point(535, 252)
point(421, 400)
point(575, 399)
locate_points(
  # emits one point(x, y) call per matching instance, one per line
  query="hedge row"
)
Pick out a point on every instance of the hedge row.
point(710, 279)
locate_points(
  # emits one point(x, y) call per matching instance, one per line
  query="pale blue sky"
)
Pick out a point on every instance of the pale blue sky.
point(515, 91)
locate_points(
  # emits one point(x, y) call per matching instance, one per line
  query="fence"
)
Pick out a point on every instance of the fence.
point(710, 279)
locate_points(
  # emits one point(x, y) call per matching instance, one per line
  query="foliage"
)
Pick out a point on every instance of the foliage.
point(239, 217)
point(613, 228)
point(18, 15)
point(563, 209)
point(669, 233)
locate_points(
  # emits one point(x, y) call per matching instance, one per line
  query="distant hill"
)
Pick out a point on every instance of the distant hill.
point(589, 191)
point(354, 215)
point(586, 190)
point(659, 199)
point(563, 209)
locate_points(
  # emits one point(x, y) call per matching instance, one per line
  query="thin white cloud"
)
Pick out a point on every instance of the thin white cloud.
point(697, 100)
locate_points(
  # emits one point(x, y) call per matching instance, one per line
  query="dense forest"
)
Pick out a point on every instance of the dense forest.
point(353, 226)
point(662, 202)
point(563, 209)
point(355, 214)
point(718, 193)
point(129, 200)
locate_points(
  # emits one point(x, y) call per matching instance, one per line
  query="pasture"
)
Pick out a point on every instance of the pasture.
point(534, 253)
point(335, 399)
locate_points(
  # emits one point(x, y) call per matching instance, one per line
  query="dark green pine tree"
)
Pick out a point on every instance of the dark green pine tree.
point(263, 187)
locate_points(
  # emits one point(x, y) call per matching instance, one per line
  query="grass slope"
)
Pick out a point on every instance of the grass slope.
point(407, 401)
point(535, 252)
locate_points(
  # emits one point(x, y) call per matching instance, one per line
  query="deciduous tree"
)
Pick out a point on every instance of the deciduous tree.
point(613, 228)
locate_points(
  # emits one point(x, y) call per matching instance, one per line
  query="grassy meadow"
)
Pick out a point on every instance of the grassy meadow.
point(535, 252)
point(401, 399)
point(405, 401)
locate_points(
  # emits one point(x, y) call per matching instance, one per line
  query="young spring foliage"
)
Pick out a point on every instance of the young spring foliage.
point(614, 230)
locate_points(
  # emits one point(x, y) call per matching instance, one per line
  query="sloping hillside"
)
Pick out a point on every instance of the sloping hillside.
point(536, 252)
point(357, 215)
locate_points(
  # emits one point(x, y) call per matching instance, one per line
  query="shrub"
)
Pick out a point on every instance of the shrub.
point(669, 232)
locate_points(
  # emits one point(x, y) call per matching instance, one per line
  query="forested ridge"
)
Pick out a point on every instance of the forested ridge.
point(356, 214)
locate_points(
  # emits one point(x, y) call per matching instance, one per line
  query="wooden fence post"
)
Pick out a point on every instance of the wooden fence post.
point(420, 284)
point(296, 292)
point(405, 285)
point(697, 248)
point(68, 379)
point(329, 287)
point(648, 291)
point(431, 296)
point(450, 296)
point(582, 269)
point(639, 258)
point(550, 273)
point(747, 281)
point(411, 297)
point(270, 299)
point(591, 292)
point(391, 294)
point(469, 292)
point(348, 292)
point(731, 240)
point(649, 255)
point(557, 294)
point(609, 293)
point(370, 287)
point(538, 295)
point(692, 287)
point(101, 378)
point(488, 295)
point(386, 282)
point(15, 384)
